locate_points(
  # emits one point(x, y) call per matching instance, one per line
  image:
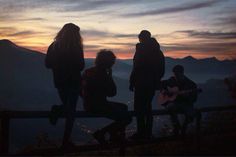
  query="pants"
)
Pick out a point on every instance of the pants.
point(117, 112)
point(143, 108)
point(187, 109)
point(69, 98)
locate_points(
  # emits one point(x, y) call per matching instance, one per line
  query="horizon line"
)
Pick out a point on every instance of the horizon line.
point(118, 57)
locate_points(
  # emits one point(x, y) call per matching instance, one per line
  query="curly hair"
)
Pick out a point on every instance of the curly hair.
point(178, 69)
point(105, 59)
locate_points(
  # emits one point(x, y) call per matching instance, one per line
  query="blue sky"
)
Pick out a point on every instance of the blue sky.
point(203, 28)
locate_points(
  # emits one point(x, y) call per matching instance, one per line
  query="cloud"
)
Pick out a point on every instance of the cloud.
point(205, 43)
point(208, 35)
point(56, 5)
point(7, 28)
point(229, 20)
point(90, 5)
point(24, 33)
point(207, 47)
point(175, 9)
point(103, 33)
point(33, 19)
point(120, 44)
point(94, 33)
point(126, 35)
point(5, 31)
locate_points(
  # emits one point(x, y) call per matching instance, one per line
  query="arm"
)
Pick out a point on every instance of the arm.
point(161, 64)
point(81, 59)
point(135, 65)
point(111, 89)
point(77, 59)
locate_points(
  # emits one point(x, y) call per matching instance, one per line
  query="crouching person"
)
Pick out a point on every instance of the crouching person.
point(97, 85)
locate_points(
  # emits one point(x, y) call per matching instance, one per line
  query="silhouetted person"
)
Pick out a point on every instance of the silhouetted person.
point(183, 103)
point(66, 59)
point(98, 84)
point(231, 83)
point(148, 69)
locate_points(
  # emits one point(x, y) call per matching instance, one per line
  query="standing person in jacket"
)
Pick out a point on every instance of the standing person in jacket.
point(65, 57)
point(98, 84)
point(148, 69)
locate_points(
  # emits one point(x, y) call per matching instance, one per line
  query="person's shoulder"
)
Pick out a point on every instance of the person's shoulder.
point(155, 42)
point(170, 80)
point(138, 45)
point(51, 45)
point(189, 81)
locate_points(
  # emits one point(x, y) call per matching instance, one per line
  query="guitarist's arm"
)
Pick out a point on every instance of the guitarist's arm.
point(167, 83)
point(191, 96)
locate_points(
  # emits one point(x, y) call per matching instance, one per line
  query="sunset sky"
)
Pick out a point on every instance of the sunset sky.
point(200, 28)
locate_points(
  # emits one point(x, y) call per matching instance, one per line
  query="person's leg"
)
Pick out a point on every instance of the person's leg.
point(62, 92)
point(173, 109)
point(139, 101)
point(148, 113)
point(57, 110)
point(189, 113)
point(70, 109)
point(119, 113)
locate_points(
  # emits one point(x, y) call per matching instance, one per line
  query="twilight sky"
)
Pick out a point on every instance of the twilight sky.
point(201, 28)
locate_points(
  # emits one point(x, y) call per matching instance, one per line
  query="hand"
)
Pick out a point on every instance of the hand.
point(131, 87)
point(109, 72)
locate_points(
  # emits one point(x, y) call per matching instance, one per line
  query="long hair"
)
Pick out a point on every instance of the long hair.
point(69, 36)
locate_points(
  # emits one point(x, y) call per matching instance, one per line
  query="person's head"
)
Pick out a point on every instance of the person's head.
point(144, 35)
point(178, 71)
point(69, 36)
point(105, 59)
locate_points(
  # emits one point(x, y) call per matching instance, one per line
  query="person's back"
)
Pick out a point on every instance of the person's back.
point(97, 86)
point(149, 64)
point(66, 64)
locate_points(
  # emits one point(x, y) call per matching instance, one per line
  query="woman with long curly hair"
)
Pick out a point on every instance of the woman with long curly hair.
point(65, 58)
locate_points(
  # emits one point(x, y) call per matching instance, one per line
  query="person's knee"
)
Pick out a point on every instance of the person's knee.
point(124, 107)
point(126, 120)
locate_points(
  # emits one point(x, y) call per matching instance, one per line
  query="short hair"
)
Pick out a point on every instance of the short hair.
point(144, 34)
point(105, 58)
point(178, 69)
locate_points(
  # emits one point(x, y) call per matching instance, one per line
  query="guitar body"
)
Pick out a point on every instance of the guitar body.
point(169, 95)
point(164, 98)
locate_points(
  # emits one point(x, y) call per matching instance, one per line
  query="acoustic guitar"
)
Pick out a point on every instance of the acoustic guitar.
point(170, 95)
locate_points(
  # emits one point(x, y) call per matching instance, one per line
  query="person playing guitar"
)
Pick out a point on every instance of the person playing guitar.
point(178, 95)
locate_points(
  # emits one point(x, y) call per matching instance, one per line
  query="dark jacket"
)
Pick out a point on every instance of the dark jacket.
point(148, 65)
point(183, 84)
point(66, 65)
point(97, 85)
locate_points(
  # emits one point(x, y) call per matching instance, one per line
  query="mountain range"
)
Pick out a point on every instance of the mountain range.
point(26, 83)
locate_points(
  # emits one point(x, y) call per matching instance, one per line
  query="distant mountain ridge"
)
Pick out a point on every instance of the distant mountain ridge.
point(26, 83)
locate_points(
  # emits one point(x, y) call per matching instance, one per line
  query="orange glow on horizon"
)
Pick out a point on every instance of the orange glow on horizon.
point(127, 55)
